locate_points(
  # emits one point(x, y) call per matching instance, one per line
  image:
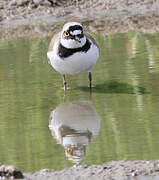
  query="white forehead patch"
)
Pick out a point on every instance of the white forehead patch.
point(75, 32)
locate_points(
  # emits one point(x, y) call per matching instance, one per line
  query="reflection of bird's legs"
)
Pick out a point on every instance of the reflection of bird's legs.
point(90, 80)
point(64, 82)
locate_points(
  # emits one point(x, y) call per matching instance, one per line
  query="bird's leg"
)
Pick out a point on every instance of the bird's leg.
point(90, 80)
point(64, 82)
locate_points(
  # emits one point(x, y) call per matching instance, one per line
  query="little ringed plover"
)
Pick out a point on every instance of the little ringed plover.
point(71, 51)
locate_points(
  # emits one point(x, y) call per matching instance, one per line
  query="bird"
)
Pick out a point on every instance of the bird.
point(72, 51)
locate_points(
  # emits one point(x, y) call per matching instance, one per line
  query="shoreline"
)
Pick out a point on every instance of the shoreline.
point(108, 20)
point(104, 25)
point(116, 170)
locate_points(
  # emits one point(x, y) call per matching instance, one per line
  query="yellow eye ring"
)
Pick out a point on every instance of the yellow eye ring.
point(66, 34)
point(69, 150)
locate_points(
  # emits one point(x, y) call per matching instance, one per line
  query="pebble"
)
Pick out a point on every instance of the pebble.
point(22, 2)
point(10, 172)
point(133, 174)
point(19, 2)
point(41, 2)
point(37, 2)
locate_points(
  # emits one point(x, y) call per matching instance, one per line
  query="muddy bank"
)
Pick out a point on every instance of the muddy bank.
point(36, 18)
point(119, 170)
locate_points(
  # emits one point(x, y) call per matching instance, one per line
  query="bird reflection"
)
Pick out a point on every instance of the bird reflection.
point(74, 125)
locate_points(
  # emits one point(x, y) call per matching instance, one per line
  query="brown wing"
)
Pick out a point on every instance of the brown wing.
point(54, 40)
point(92, 39)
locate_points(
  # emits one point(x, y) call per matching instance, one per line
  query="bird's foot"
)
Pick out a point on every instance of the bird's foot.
point(91, 86)
point(65, 88)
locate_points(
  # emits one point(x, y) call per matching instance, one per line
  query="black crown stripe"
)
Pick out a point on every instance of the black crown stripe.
point(75, 27)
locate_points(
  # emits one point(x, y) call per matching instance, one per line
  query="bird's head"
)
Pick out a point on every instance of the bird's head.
point(72, 35)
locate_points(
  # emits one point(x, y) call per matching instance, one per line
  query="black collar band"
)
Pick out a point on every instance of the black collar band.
point(66, 52)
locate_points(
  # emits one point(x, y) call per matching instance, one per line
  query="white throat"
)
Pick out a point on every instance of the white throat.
point(71, 43)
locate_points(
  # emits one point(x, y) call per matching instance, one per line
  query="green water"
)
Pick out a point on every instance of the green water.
point(125, 97)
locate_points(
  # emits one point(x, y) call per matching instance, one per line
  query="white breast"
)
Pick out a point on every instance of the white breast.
point(76, 63)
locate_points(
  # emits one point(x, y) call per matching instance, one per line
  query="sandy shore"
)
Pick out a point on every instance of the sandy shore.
point(117, 170)
point(27, 18)
point(121, 170)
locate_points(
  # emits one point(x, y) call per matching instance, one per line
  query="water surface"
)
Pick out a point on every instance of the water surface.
point(125, 99)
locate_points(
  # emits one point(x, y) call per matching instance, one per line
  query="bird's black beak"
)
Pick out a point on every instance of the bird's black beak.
point(77, 39)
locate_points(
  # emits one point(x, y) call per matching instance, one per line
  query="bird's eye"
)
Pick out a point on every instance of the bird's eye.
point(69, 150)
point(66, 34)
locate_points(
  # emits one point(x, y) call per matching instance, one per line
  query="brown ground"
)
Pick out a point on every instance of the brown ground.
point(44, 17)
point(117, 170)
point(121, 170)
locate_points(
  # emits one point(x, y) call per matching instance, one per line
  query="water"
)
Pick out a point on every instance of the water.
point(124, 106)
